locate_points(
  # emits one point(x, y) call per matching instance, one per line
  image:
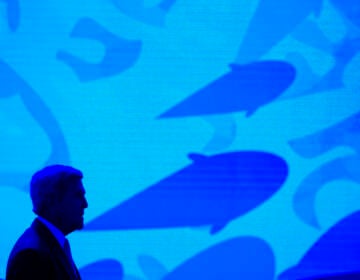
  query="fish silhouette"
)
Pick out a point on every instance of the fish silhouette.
point(213, 190)
point(120, 54)
point(335, 252)
point(13, 84)
point(271, 23)
point(233, 259)
point(245, 88)
point(345, 133)
point(150, 15)
point(13, 14)
point(344, 168)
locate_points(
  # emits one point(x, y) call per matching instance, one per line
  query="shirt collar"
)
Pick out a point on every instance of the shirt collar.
point(59, 236)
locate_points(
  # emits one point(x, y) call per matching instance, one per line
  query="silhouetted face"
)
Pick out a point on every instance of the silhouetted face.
point(70, 208)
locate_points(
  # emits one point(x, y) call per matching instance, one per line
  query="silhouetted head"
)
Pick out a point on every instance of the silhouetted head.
point(58, 195)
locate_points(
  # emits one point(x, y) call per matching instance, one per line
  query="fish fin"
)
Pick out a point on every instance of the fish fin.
point(195, 157)
point(216, 228)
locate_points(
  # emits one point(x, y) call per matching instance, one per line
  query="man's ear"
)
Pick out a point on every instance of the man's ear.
point(50, 202)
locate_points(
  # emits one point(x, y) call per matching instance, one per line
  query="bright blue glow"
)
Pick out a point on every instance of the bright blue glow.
point(207, 132)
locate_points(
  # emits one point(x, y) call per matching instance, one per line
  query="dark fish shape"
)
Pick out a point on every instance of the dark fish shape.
point(335, 252)
point(108, 269)
point(271, 23)
point(213, 190)
point(12, 84)
point(345, 133)
point(248, 257)
point(245, 88)
point(120, 54)
point(155, 15)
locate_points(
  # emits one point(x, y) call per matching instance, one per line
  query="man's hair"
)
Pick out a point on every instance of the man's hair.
point(50, 183)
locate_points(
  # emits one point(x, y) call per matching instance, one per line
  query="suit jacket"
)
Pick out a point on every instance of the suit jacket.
point(38, 255)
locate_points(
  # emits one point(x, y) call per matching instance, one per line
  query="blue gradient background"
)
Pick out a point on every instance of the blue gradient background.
point(126, 90)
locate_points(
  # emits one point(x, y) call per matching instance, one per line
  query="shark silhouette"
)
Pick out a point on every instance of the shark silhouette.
point(271, 23)
point(13, 84)
point(120, 54)
point(235, 258)
point(335, 252)
point(153, 15)
point(245, 88)
point(213, 190)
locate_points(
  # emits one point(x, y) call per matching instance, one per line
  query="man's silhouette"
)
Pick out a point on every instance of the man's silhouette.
point(42, 252)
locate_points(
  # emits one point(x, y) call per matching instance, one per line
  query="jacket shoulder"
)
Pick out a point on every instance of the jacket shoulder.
point(29, 263)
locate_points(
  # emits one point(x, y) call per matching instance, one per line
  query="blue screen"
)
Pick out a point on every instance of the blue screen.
point(218, 139)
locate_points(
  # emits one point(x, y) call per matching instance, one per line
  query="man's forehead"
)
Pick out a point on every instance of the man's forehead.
point(77, 186)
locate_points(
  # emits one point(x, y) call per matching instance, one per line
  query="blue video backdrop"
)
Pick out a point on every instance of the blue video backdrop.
point(219, 139)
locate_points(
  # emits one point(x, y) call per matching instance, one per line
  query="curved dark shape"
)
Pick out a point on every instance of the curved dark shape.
point(13, 84)
point(336, 252)
point(213, 191)
point(233, 259)
point(345, 168)
point(344, 133)
point(245, 88)
point(108, 269)
point(120, 54)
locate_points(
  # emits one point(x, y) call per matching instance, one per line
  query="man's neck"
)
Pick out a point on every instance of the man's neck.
point(56, 232)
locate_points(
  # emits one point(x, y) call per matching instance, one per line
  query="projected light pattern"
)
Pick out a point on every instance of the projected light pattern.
point(216, 138)
point(119, 55)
